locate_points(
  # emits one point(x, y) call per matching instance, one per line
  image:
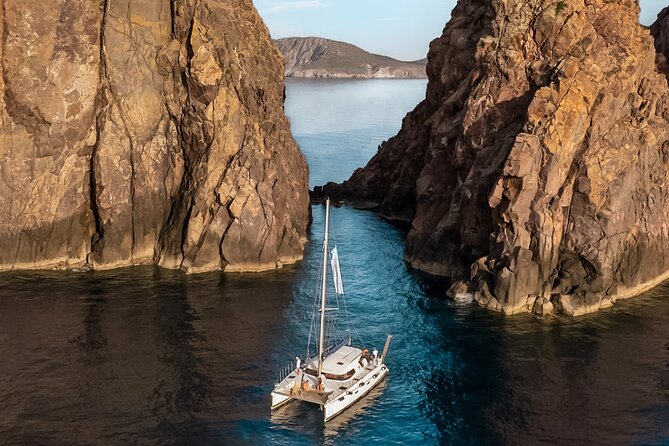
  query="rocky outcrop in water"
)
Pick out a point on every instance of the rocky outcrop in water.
point(316, 57)
point(137, 132)
point(535, 172)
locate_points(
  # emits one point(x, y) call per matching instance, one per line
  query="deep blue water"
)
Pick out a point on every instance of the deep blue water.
point(149, 356)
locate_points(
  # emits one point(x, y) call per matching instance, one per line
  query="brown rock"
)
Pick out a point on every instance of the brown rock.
point(540, 156)
point(458, 289)
point(138, 132)
point(542, 307)
point(660, 32)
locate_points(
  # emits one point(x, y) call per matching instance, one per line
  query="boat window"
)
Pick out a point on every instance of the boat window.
point(343, 377)
point(340, 377)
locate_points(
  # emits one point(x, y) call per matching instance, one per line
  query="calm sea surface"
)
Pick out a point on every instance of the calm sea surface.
point(145, 356)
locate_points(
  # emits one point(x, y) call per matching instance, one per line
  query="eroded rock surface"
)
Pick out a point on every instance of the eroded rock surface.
point(137, 132)
point(660, 32)
point(536, 169)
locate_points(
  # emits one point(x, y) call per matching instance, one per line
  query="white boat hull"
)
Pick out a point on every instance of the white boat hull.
point(279, 400)
point(333, 408)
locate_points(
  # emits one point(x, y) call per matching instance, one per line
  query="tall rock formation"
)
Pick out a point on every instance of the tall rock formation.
point(537, 168)
point(137, 131)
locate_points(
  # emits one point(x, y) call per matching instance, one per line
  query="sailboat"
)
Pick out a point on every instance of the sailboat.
point(341, 373)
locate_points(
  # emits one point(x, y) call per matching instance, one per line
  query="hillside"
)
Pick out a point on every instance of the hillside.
point(313, 57)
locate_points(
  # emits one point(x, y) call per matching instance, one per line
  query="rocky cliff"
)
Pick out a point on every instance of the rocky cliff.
point(535, 171)
point(137, 132)
point(317, 57)
point(660, 32)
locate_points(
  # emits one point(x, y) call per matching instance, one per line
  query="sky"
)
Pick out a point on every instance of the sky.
point(401, 29)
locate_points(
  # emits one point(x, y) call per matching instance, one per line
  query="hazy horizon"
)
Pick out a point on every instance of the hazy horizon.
point(392, 28)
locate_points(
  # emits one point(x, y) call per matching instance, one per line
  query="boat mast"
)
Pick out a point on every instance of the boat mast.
point(324, 287)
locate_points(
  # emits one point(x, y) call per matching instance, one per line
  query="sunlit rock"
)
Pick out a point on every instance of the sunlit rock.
point(537, 165)
point(139, 132)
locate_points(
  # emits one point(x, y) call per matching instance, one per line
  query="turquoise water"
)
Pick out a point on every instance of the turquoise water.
point(148, 356)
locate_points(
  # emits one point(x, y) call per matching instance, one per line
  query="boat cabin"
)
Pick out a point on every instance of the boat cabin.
point(340, 365)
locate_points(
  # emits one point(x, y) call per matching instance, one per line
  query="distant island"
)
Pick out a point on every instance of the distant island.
point(313, 57)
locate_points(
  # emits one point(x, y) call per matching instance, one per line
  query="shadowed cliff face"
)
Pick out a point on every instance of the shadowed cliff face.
point(660, 32)
point(535, 170)
point(136, 132)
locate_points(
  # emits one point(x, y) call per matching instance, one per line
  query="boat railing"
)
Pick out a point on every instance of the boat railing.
point(285, 371)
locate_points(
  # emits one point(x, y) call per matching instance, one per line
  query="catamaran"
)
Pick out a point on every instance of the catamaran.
point(341, 373)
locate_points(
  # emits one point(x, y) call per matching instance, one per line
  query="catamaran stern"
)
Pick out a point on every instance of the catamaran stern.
point(333, 408)
point(279, 400)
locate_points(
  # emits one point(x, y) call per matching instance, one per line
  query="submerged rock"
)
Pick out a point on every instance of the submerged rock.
point(536, 168)
point(145, 132)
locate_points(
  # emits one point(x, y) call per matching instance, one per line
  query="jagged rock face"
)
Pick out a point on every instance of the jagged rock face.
point(660, 32)
point(535, 171)
point(136, 132)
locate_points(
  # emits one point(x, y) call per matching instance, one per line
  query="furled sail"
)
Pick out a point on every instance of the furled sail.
point(336, 272)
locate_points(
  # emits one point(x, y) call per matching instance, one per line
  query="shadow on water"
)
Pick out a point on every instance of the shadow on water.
point(182, 392)
point(92, 341)
point(141, 354)
point(598, 379)
point(464, 382)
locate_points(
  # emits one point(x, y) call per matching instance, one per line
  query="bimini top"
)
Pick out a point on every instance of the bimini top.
point(339, 362)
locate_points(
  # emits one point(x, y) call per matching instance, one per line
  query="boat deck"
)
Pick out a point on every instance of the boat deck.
point(310, 396)
point(333, 392)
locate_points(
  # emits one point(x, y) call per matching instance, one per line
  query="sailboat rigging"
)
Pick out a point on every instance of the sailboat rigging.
point(340, 375)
